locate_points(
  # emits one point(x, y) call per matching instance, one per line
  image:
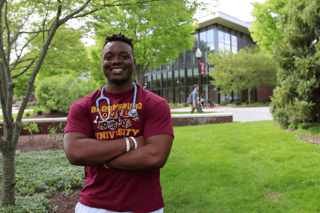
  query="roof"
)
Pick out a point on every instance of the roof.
point(225, 20)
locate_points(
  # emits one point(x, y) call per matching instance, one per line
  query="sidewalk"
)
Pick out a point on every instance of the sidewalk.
point(246, 114)
point(15, 110)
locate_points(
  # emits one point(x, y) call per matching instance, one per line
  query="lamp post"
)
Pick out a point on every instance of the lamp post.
point(198, 55)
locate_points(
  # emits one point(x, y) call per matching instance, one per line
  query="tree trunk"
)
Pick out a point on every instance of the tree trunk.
point(8, 146)
point(249, 95)
point(140, 70)
point(8, 175)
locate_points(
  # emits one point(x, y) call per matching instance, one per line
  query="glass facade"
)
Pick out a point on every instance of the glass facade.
point(174, 81)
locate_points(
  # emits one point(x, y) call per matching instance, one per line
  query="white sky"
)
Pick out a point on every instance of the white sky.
point(240, 9)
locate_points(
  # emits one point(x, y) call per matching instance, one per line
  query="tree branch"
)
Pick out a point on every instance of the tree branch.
point(21, 26)
point(40, 31)
point(19, 62)
point(5, 74)
point(36, 69)
point(62, 21)
point(73, 15)
point(24, 46)
point(25, 70)
point(8, 31)
point(2, 3)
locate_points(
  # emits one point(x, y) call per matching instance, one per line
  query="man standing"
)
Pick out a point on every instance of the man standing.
point(195, 99)
point(123, 135)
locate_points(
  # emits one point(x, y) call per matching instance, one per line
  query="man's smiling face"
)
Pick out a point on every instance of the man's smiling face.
point(118, 62)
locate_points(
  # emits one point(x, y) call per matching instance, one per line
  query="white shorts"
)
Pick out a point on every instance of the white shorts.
point(80, 208)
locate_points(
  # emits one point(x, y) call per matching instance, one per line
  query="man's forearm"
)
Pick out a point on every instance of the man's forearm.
point(142, 158)
point(88, 151)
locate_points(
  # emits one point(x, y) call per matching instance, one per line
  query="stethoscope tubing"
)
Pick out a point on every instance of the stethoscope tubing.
point(102, 97)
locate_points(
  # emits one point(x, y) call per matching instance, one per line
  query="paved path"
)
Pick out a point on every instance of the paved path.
point(15, 110)
point(239, 114)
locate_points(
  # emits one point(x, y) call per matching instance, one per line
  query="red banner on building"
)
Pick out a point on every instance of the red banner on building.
point(202, 68)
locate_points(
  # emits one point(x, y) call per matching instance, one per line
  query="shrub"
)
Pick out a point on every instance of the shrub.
point(265, 101)
point(58, 93)
point(314, 129)
point(38, 111)
point(294, 125)
point(27, 114)
point(280, 115)
point(238, 103)
point(31, 127)
point(185, 104)
point(305, 125)
point(223, 103)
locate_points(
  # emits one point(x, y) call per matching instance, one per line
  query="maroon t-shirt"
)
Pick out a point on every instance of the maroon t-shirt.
point(112, 189)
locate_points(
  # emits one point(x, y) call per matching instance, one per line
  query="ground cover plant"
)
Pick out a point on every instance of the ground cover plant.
point(175, 105)
point(229, 167)
point(39, 175)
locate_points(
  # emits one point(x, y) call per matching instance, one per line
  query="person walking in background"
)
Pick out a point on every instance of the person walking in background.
point(195, 99)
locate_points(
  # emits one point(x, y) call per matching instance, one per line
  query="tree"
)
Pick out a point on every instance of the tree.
point(243, 70)
point(66, 55)
point(297, 96)
point(21, 22)
point(159, 30)
point(265, 28)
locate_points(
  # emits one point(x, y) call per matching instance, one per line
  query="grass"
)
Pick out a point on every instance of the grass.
point(229, 167)
point(175, 105)
point(241, 167)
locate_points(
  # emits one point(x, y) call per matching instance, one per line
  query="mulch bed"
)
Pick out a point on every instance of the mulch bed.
point(67, 203)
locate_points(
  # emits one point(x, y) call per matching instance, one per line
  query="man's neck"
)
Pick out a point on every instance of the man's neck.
point(114, 88)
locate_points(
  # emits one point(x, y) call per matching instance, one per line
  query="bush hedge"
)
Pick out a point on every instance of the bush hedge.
point(57, 93)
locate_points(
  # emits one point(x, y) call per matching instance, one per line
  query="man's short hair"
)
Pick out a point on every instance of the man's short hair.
point(119, 37)
point(196, 85)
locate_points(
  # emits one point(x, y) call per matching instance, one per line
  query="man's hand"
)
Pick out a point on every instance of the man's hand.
point(153, 155)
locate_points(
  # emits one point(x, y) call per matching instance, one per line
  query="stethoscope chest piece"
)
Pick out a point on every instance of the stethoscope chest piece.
point(133, 113)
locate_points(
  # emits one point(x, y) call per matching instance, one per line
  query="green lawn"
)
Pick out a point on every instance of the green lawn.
point(241, 167)
point(229, 167)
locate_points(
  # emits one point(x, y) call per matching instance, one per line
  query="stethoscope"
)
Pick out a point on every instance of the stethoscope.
point(133, 112)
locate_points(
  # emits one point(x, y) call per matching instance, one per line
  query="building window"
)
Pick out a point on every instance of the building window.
point(182, 79)
point(176, 78)
point(234, 42)
point(169, 79)
point(224, 38)
point(210, 35)
point(181, 59)
point(188, 57)
point(203, 36)
point(189, 77)
point(245, 40)
point(154, 82)
point(159, 81)
point(175, 62)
